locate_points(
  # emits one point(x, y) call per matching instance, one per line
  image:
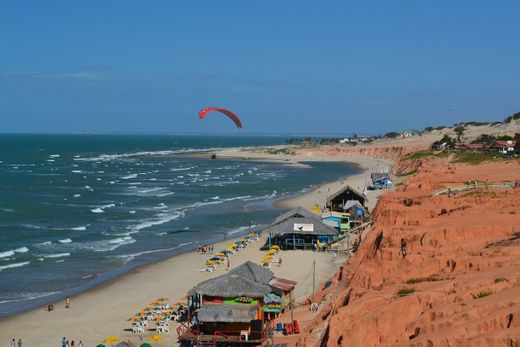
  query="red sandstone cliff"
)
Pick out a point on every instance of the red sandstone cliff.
point(462, 267)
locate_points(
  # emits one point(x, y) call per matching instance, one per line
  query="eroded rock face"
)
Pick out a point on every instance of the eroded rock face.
point(459, 284)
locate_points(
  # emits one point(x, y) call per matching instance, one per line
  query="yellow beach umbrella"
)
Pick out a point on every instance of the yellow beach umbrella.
point(252, 235)
point(210, 262)
point(275, 247)
point(163, 298)
point(220, 254)
point(111, 339)
point(155, 338)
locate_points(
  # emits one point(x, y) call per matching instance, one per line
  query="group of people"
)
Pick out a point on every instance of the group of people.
point(13, 343)
point(50, 307)
point(65, 343)
point(206, 249)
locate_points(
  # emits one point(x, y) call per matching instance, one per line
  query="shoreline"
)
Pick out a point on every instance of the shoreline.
point(152, 279)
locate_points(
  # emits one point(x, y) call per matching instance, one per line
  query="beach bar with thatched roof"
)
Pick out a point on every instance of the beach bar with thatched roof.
point(299, 229)
point(231, 308)
point(338, 201)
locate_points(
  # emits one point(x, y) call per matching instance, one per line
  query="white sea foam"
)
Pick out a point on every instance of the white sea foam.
point(76, 171)
point(22, 250)
point(183, 168)
point(77, 195)
point(129, 177)
point(54, 156)
point(9, 266)
point(101, 209)
point(106, 245)
point(56, 255)
point(6, 254)
point(161, 234)
point(132, 256)
point(80, 228)
point(131, 212)
point(66, 241)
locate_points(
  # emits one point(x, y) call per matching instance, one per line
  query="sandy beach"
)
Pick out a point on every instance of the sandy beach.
point(103, 310)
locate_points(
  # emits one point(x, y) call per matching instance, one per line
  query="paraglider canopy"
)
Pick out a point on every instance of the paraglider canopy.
point(203, 113)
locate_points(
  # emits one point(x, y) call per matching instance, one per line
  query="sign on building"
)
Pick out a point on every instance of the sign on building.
point(303, 227)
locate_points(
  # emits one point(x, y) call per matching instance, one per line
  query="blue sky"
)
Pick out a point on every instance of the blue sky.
point(283, 66)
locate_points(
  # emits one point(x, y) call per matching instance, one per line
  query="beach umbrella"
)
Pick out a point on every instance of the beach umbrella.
point(275, 247)
point(111, 339)
point(101, 345)
point(163, 298)
point(155, 338)
point(145, 345)
point(220, 254)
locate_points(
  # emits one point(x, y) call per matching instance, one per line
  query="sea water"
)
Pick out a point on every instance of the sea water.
point(79, 209)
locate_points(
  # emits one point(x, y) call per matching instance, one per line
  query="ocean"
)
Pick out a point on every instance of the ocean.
point(76, 210)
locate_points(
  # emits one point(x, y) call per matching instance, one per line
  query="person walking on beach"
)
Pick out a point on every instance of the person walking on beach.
point(280, 262)
point(403, 248)
point(72, 343)
point(67, 344)
point(228, 264)
point(67, 302)
point(80, 344)
point(19, 342)
point(63, 342)
point(13, 343)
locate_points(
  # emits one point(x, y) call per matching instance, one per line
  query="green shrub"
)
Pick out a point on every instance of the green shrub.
point(481, 294)
point(405, 291)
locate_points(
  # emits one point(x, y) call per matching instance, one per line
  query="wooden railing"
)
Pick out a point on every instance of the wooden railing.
point(236, 335)
point(473, 186)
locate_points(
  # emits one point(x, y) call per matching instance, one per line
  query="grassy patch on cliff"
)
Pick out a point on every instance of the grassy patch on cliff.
point(423, 279)
point(475, 158)
point(405, 291)
point(481, 294)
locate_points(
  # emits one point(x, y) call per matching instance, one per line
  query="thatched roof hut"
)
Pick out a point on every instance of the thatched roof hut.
point(295, 213)
point(336, 201)
point(253, 272)
point(300, 221)
point(227, 313)
point(231, 286)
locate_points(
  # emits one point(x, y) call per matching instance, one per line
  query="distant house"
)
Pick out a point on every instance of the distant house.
point(469, 147)
point(505, 147)
point(381, 180)
point(299, 229)
point(336, 202)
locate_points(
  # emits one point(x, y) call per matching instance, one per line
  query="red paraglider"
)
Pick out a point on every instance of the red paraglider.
point(203, 113)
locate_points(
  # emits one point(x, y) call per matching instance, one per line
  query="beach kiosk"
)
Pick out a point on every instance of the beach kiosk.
point(231, 309)
point(299, 229)
point(337, 201)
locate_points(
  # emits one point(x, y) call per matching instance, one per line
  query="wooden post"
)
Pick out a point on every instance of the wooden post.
point(313, 278)
point(294, 241)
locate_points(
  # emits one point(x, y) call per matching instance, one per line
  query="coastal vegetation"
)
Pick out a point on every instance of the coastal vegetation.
point(423, 279)
point(405, 292)
point(512, 117)
point(481, 294)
